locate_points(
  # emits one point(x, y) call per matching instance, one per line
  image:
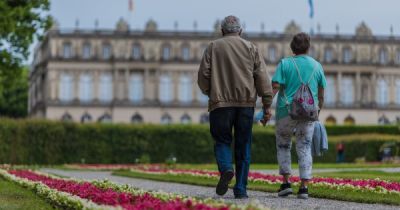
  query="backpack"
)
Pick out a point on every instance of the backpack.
point(303, 106)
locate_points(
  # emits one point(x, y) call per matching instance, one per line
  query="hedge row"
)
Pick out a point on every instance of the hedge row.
point(45, 142)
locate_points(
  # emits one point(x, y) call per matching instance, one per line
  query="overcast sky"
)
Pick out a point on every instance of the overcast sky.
point(378, 14)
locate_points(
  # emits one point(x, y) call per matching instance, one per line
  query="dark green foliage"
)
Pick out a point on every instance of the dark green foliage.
point(47, 142)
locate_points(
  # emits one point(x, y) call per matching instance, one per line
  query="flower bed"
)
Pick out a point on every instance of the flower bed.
point(372, 185)
point(75, 194)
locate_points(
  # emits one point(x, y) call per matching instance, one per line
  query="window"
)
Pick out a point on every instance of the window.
point(186, 53)
point(66, 88)
point(66, 117)
point(272, 57)
point(67, 50)
point(106, 118)
point(166, 119)
point(86, 118)
point(398, 91)
point(346, 91)
point(137, 119)
point(85, 88)
point(136, 88)
point(312, 52)
point(398, 56)
point(328, 55)
point(331, 120)
point(349, 120)
point(382, 93)
point(204, 118)
point(203, 99)
point(383, 56)
point(86, 51)
point(166, 93)
point(166, 52)
point(330, 90)
point(185, 119)
point(185, 89)
point(136, 52)
point(383, 120)
point(106, 51)
point(105, 86)
point(347, 56)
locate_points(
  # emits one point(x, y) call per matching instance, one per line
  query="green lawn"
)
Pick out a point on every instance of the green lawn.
point(14, 197)
point(364, 174)
point(318, 192)
point(275, 166)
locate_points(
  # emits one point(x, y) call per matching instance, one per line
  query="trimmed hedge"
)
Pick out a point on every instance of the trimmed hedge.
point(47, 142)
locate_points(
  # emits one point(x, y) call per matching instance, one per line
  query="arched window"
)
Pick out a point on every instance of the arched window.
point(349, 120)
point(106, 118)
point(166, 91)
point(382, 92)
point(331, 120)
point(185, 52)
point(398, 91)
point(203, 99)
point(166, 119)
point(136, 88)
point(185, 89)
point(272, 55)
point(66, 87)
point(136, 51)
point(186, 119)
point(85, 88)
point(330, 90)
point(347, 55)
point(166, 52)
point(106, 51)
point(383, 56)
point(383, 120)
point(66, 117)
point(86, 51)
point(67, 50)
point(106, 89)
point(346, 91)
point(204, 118)
point(328, 55)
point(86, 118)
point(137, 119)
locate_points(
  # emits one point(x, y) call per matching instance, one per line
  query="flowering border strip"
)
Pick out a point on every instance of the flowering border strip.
point(358, 185)
point(171, 201)
point(54, 196)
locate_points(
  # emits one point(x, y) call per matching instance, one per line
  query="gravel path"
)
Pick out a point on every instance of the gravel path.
point(270, 200)
point(295, 171)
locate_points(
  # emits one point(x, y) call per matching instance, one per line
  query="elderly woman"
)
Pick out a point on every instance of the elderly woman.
point(291, 73)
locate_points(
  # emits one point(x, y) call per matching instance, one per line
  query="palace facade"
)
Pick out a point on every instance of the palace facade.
point(150, 76)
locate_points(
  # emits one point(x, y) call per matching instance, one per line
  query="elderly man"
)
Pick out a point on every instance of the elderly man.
point(232, 73)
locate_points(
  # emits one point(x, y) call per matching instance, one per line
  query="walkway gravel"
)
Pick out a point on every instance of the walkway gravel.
point(270, 200)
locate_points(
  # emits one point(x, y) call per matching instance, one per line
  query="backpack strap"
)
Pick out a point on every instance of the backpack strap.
point(298, 72)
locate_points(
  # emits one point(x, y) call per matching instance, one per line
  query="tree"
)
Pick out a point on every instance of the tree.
point(15, 97)
point(21, 23)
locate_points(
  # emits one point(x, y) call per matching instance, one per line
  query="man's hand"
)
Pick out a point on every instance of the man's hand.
point(267, 116)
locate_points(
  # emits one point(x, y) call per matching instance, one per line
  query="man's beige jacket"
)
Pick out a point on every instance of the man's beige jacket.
point(232, 73)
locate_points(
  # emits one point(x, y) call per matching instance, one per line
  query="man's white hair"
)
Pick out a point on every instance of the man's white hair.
point(231, 24)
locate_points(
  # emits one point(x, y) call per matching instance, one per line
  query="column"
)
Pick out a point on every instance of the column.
point(126, 85)
point(146, 84)
point(115, 84)
point(338, 85)
point(392, 90)
point(358, 88)
point(175, 84)
point(76, 75)
point(373, 88)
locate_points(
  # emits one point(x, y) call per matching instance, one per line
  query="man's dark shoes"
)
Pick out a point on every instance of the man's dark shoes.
point(241, 196)
point(222, 186)
point(285, 190)
point(303, 193)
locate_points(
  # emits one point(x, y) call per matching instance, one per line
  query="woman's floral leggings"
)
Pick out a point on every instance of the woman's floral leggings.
point(303, 130)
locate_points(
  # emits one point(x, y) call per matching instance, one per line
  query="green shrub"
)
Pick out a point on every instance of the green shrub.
point(48, 142)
